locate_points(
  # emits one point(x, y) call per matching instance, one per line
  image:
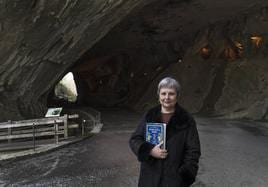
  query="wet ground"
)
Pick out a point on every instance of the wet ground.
point(234, 153)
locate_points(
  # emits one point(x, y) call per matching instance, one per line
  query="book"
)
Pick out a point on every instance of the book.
point(156, 133)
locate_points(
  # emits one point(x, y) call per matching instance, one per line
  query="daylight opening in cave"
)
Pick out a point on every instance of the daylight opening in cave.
point(66, 88)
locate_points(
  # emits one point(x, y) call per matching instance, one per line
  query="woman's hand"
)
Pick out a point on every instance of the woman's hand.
point(157, 152)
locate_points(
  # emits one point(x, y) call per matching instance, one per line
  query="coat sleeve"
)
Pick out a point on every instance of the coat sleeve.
point(138, 145)
point(192, 153)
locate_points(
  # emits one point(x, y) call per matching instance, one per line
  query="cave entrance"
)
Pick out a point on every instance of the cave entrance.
point(65, 90)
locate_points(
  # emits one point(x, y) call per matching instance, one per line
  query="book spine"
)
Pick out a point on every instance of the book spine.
point(164, 136)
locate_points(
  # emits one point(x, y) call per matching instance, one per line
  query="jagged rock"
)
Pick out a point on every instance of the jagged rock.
point(41, 39)
point(226, 86)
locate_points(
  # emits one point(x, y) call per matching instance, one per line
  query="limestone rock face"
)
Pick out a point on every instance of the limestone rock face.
point(118, 50)
point(232, 81)
point(166, 39)
point(41, 39)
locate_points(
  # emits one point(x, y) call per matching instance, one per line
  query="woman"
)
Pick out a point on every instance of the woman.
point(177, 165)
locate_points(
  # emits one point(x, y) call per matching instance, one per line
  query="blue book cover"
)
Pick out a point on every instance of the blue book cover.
point(156, 133)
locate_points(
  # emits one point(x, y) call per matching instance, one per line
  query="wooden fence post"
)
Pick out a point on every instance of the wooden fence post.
point(65, 126)
point(9, 131)
point(34, 136)
point(83, 127)
point(56, 132)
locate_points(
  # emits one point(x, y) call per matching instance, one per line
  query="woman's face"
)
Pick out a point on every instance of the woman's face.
point(168, 97)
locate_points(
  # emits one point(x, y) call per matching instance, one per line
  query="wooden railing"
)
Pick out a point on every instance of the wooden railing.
point(53, 127)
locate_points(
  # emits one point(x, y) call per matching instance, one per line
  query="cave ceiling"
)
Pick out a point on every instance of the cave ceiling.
point(118, 51)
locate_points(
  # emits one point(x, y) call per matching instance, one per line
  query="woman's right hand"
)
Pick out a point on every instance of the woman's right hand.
point(157, 152)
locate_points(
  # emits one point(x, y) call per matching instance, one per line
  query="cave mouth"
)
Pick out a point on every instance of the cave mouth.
point(64, 92)
point(118, 80)
point(221, 68)
point(66, 89)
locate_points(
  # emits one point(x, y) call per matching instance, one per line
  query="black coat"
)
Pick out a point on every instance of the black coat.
point(180, 167)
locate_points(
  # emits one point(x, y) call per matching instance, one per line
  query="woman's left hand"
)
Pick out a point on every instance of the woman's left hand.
point(157, 152)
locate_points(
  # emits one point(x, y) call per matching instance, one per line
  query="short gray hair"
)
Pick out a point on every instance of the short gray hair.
point(169, 82)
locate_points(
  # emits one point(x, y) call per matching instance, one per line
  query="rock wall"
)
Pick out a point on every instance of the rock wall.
point(41, 39)
point(120, 49)
point(232, 81)
point(229, 82)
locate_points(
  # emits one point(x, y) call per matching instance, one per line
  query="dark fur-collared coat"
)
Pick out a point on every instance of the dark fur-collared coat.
point(180, 167)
